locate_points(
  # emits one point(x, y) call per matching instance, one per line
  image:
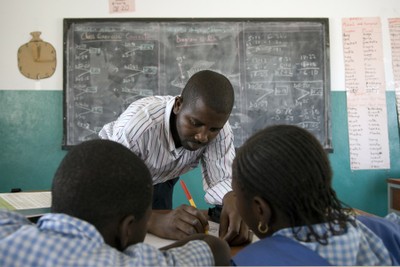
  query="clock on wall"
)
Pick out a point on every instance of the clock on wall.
point(37, 59)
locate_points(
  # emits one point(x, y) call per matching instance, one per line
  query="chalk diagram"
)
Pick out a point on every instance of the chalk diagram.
point(104, 86)
point(286, 103)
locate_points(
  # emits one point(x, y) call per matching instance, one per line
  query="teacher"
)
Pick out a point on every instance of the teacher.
point(172, 135)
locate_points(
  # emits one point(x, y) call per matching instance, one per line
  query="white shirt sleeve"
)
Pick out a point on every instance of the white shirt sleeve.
point(216, 166)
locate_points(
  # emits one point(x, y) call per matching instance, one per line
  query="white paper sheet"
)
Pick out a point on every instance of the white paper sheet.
point(28, 200)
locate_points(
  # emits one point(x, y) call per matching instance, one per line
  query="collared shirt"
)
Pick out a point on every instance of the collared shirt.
point(358, 246)
point(144, 128)
point(61, 240)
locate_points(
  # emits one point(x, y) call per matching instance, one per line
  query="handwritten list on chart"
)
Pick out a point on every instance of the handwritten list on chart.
point(394, 28)
point(365, 88)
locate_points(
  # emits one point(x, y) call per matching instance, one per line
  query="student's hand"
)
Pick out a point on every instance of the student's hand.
point(232, 228)
point(179, 223)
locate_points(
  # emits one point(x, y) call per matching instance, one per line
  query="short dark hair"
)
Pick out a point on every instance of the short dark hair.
point(99, 180)
point(288, 167)
point(213, 88)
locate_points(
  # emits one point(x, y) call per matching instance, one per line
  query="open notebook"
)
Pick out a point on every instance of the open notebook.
point(161, 242)
point(28, 203)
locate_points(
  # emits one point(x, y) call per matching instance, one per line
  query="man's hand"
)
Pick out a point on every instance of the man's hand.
point(232, 228)
point(179, 223)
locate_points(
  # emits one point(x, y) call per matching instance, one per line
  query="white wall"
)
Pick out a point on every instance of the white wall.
point(20, 17)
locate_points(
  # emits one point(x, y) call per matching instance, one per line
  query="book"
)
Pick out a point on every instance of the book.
point(30, 204)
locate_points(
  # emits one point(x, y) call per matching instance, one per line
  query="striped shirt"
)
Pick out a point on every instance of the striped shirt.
point(62, 240)
point(144, 128)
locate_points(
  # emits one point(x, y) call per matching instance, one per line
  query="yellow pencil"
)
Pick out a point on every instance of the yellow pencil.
point(189, 196)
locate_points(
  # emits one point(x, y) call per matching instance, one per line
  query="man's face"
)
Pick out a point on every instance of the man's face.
point(196, 124)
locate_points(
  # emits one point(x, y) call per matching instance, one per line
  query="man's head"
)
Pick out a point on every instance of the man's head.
point(105, 184)
point(202, 109)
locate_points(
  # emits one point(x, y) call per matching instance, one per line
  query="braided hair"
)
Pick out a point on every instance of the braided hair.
point(287, 166)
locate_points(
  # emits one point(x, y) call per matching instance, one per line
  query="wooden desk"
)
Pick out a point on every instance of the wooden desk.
point(393, 186)
point(236, 249)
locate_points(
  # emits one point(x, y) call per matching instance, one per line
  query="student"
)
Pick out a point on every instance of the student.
point(101, 203)
point(173, 135)
point(282, 180)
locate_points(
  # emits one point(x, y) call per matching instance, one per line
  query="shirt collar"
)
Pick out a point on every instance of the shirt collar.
point(167, 129)
point(358, 246)
point(69, 226)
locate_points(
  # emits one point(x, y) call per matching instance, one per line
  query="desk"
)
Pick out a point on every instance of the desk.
point(159, 242)
point(393, 195)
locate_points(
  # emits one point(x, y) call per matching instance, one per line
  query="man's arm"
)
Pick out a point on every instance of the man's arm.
point(177, 224)
point(216, 164)
point(217, 173)
point(186, 220)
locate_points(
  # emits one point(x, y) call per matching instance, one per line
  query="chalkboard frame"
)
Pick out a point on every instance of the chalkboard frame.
point(67, 22)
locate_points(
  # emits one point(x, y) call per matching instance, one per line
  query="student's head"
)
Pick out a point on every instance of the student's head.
point(202, 109)
point(282, 178)
point(107, 185)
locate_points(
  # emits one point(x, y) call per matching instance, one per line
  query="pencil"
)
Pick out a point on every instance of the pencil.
point(189, 196)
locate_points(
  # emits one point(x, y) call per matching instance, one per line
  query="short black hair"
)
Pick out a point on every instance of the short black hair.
point(99, 180)
point(213, 88)
point(288, 167)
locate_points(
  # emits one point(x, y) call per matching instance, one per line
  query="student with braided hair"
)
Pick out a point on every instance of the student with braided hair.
point(282, 182)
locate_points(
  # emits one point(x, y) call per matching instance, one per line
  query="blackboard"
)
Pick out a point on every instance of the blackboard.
point(279, 68)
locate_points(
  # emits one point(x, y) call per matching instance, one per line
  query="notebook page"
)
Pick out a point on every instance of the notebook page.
point(28, 200)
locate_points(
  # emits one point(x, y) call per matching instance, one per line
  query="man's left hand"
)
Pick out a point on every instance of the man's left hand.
point(232, 228)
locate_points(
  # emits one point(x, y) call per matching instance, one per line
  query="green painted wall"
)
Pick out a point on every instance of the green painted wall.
point(364, 189)
point(31, 136)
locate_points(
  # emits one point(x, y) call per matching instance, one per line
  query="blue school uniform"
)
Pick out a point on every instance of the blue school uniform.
point(372, 241)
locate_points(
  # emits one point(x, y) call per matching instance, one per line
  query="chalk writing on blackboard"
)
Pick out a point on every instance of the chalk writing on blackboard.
point(279, 69)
